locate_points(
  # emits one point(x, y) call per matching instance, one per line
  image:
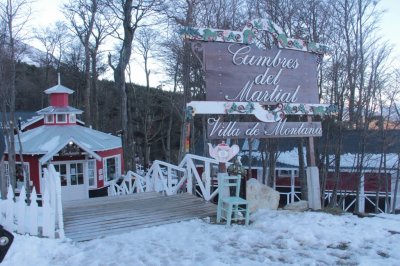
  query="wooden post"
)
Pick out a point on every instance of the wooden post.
point(313, 187)
point(361, 195)
point(187, 138)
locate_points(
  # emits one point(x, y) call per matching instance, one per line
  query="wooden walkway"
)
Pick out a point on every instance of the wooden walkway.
point(99, 217)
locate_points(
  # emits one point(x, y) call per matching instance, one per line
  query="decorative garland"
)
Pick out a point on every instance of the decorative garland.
point(266, 114)
point(239, 108)
point(248, 34)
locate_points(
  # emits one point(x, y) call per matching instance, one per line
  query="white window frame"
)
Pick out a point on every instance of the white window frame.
point(94, 173)
point(68, 173)
point(7, 173)
point(48, 120)
point(283, 172)
point(72, 118)
point(117, 167)
point(61, 121)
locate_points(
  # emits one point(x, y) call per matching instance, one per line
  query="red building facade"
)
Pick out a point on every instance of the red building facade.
point(85, 158)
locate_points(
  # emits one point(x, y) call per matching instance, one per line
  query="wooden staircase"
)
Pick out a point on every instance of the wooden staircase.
point(99, 217)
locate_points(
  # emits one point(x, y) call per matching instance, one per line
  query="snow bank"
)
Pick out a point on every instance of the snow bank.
point(274, 238)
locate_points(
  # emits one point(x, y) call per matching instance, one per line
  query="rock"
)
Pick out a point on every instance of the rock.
point(261, 196)
point(299, 206)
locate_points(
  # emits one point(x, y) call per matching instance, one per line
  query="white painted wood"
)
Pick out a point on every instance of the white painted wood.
point(361, 195)
point(58, 200)
point(207, 174)
point(33, 212)
point(46, 213)
point(314, 198)
point(21, 209)
point(10, 210)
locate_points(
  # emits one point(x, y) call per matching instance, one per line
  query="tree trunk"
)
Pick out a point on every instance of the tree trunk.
point(119, 77)
point(95, 106)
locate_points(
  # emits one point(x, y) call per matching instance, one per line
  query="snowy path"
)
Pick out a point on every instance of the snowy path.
point(275, 238)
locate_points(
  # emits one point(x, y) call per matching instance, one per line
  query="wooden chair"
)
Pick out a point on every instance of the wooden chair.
point(230, 206)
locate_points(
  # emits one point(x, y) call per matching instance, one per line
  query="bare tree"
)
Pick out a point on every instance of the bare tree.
point(13, 15)
point(52, 39)
point(131, 17)
point(104, 25)
point(82, 15)
point(145, 45)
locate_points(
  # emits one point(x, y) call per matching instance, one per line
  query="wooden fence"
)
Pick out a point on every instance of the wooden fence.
point(17, 215)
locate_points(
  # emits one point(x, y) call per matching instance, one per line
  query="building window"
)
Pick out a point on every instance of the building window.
point(286, 173)
point(49, 119)
point(62, 169)
point(92, 173)
point(76, 171)
point(61, 118)
point(19, 174)
point(72, 118)
point(71, 174)
point(112, 168)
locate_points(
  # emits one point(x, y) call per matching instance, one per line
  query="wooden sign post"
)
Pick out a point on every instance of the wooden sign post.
point(268, 84)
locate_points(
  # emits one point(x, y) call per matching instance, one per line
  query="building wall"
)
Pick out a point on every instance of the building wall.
point(34, 171)
point(34, 125)
point(349, 181)
point(99, 164)
point(59, 99)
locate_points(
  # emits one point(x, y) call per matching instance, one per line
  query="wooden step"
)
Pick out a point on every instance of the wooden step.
point(99, 217)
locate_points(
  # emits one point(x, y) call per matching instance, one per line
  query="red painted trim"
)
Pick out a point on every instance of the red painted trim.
point(34, 125)
point(99, 164)
point(34, 174)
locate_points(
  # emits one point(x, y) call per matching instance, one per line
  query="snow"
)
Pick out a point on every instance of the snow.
point(274, 238)
point(51, 144)
point(347, 160)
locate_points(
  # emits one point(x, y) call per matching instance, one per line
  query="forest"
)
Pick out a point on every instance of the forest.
point(97, 43)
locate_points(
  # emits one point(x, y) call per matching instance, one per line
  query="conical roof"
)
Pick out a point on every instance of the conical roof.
point(58, 89)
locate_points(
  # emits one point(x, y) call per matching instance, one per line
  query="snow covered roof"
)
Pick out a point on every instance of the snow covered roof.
point(59, 110)
point(348, 160)
point(31, 121)
point(289, 159)
point(51, 139)
point(59, 89)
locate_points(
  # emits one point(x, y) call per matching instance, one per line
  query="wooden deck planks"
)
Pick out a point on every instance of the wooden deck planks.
point(94, 218)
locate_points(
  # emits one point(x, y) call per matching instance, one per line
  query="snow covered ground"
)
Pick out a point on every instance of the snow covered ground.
point(274, 238)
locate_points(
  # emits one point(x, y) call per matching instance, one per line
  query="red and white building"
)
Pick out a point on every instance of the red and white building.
point(85, 158)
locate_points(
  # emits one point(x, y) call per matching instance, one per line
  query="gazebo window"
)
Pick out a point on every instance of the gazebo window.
point(19, 174)
point(112, 168)
point(49, 118)
point(61, 118)
point(92, 173)
point(62, 170)
point(72, 118)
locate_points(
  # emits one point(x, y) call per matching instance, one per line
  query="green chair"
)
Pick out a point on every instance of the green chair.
point(230, 206)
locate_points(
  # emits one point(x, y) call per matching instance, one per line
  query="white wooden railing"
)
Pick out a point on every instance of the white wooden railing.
point(171, 179)
point(46, 220)
point(370, 197)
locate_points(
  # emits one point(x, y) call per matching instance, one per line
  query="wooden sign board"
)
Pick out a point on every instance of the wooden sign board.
point(238, 130)
point(246, 73)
